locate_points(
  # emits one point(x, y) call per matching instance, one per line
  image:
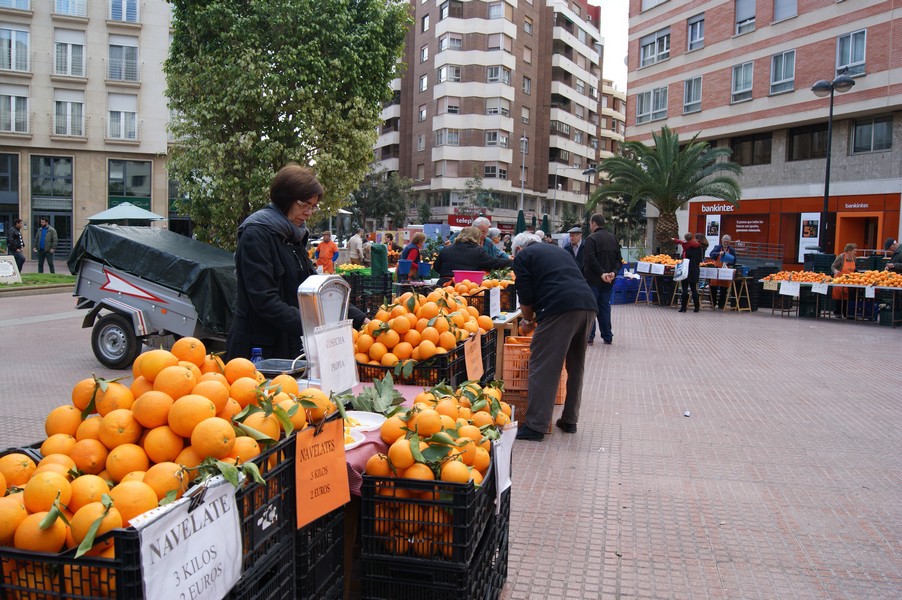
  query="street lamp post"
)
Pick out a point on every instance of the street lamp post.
point(523, 141)
point(588, 173)
point(823, 88)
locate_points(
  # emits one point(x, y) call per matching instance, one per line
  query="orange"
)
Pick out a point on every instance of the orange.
point(125, 459)
point(400, 324)
point(411, 518)
point(389, 338)
point(190, 349)
point(412, 337)
point(176, 381)
point(140, 386)
point(85, 489)
point(400, 455)
point(421, 325)
point(361, 357)
point(83, 392)
point(42, 490)
point(373, 326)
point(364, 341)
point(482, 418)
point(151, 409)
point(119, 427)
point(16, 469)
point(162, 444)
point(447, 406)
point(431, 334)
point(481, 460)
point(476, 476)
point(418, 471)
point(441, 325)
point(382, 314)
point(324, 406)
point(55, 467)
point(12, 513)
point(377, 351)
point(485, 322)
point(398, 310)
point(447, 340)
point(378, 466)
point(188, 457)
point(136, 366)
point(165, 477)
point(231, 409)
point(397, 543)
point(133, 498)
point(195, 370)
point(244, 390)
point(89, 428)
point(466, 448)
point(154, 361)
point(188, 411)
point(502, 419)
point(428, 310)
point(470, 431)
point(58, 459)
point(215, 391)
point(83, 520)
point(214, 377)
point(238, 367)
point(426, 422)
point(63, 419)
point(58, 443)
point(392, 429)
point(299, 418)
point(212, 364)
point(30, 536)
point(89, 456)
point(403, 350)
point(388, 360)
point(288, 383)
point(214, 437)
point(245, 448)
point(426, 349)
point(267, 425)
point(115, 397)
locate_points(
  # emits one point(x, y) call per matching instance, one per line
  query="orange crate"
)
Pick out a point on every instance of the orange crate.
point(515, 370)
point(518, 401)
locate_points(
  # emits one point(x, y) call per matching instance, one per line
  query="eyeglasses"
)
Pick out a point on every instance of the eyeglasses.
point(307, 205)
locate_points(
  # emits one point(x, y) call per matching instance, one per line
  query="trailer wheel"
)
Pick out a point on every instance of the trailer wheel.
point(114, 341)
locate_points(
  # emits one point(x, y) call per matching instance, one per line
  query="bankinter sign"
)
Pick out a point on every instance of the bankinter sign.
point(717, 208)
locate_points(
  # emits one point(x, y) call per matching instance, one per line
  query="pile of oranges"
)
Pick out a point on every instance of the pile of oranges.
point(118, 451)
point(416, 328)
point(800, 276)
point(446, 436)
point(875, 278)
point(468, 288)
point(660, 259)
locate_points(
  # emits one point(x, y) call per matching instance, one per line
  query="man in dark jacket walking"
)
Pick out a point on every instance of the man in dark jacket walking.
point(575, 246)
point(600, 266)
point(45, 240)
point(557, 303)
point(15, 243)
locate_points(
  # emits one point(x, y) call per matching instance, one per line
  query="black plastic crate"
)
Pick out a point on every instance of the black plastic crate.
point(450, 367)
point(489, 354)
point(501, 531)
point(368, 292)
point(319, 557)
point(464, 509)
point(273, 578)
point(479, 300)
point(509, 299)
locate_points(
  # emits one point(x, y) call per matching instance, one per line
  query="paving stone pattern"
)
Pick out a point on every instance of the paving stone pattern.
point(784, 482)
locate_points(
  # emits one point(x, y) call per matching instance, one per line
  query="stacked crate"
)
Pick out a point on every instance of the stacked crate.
point(515, 374)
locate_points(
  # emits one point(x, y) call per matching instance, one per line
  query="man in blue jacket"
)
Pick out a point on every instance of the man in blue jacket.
point(556, 301)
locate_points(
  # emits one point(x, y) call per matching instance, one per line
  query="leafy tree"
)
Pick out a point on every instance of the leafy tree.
point(570, 217)
point(476, 196)
point(259, 83)
point(667, 176)
point(424, 212)
point(383, 194)
point(626, 219)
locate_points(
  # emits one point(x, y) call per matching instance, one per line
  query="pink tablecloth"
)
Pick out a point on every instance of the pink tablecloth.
point(356, 457)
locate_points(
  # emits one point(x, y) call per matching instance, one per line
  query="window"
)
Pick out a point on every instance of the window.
point(129, 178)
point(421, 113)
point(651, 105)
point(745, 16)
point(451, 8)
point(496, 10)
point(498, 74)
point(123, 123)
point(69, 57)
point(850, 53)
point(646, 4)
point(446, 168)
point(13, 108)
point(424, 83)
point(496, 138)
point(421, 143)
point(580, 87)
point(13, 49)
point(51, 177)
point(69, 114)
point(559, 128)
point(870, 135)
point(124, 10)
point(424, 23)
point(527, 54)
point(783, 72)
point(654, 48)
point(449, 104)
point(742, 83)
point(123, 64)
point(751, 149)
point(527, 86)
point(695, 32)
point(578, 136)
point(524, 115)
point(424, 54)
point(527, 25)
point(494, 171)
point(692, 95)
point(17, 4)
point(448, 73)
point(784, 9)
point(499, 41)
point(450, 41)
point(807, 142)
point(447, 137)
point(497, 106)
point(74, 8)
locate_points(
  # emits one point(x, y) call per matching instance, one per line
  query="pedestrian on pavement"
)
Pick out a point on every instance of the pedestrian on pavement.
point(15, 244)
point(575, 246)
point(355, 245)
point(844, 263)
point(467, 253)
point(687, 238)
point(327, 253)
point(366, 252)
point(390, 243)
point(45, 240)
point(894, 250)
point(600, 266)
point(692, 250)
point(413, 252)
point(724, 255)
point(495, 237)
point(558, 305)
point(485, 226)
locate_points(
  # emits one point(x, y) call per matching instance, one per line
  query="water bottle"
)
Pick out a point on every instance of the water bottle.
point(256, 355)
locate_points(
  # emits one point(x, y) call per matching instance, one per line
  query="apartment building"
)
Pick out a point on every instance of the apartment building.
point(509, 91)
point(82, 110)
point(739, 73)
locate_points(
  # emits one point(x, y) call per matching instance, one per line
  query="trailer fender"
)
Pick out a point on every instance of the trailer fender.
point(116, 306)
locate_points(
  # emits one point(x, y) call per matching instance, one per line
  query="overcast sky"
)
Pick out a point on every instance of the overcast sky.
point(614, 29)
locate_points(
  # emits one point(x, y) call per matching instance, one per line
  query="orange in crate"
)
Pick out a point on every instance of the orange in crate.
point(515, 370)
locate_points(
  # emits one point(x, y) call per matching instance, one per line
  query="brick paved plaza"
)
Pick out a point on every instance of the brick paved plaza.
point(784, 482)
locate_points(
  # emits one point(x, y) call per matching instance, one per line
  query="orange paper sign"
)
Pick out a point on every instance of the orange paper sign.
point(321, 473)
point(473, 356)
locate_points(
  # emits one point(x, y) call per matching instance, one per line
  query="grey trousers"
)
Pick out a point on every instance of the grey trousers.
point(558, 340)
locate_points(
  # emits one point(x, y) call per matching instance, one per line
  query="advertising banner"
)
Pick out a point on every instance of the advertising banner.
point(712, 229)
point(809, 232)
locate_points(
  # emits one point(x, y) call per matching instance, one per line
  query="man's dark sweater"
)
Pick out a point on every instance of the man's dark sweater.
point(549, 280)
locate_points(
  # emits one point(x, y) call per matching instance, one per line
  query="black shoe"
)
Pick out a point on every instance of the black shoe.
point(696, 309)
point(591, 342)
point(683, 309)
point(609, 342)
point(530, 435)
point(565, 427)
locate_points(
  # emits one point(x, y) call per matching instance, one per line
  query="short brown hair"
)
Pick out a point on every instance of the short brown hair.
point(294, 182)
point(418, 237)
point(469, 234)
point(850, 247)
point(598, 219)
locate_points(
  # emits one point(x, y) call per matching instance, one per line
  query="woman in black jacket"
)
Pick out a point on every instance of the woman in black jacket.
point(466, 254)
point(692, 250)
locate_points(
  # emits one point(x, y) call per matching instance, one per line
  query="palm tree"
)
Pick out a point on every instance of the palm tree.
point(667, 176)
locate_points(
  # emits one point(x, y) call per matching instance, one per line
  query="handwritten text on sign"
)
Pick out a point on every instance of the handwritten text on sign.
point(335, 354)
point(193, 555)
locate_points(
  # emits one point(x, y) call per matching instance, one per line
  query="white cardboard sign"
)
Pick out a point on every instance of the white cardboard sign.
point(707, 273)
point(643, 267)
point(789, 288)
point(820, 288)
point(726, 274)
point(869, 292)
point(335, 357)
point(196, 553)
point(657, 269)
point(494, 302)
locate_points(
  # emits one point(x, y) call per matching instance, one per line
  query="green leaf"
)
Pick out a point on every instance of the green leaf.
point(229, 472)
point(169, 498)
point(284, 420)
point(88, 543)
point(441, 438)
point(409, 366)
point(435, 454)
point(257, 435)
point(415, 447)
point(250, 469)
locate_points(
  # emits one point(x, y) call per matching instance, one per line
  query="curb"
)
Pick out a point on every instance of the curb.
point(36, 290)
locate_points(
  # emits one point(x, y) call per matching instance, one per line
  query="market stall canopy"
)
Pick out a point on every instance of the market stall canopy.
point(125, 214)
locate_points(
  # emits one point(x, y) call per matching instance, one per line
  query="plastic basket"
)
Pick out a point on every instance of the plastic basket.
point(474, 276)
point(467, 510)
point(450, 367)
point(515, 370)
point(502, 553)
point(479, 301)
point(489, 354)
point(509, 299)
point(519, 401)
point(271, 579)
point(319, 557)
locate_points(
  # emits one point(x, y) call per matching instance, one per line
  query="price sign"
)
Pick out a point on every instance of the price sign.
point(772, 286)
point(869, 292)
point(707, 273)
point(335, 356)
point(473, 356)
point(789, 288)
point(494, 302)
point(726, 274)
point(321, 472)
point(643, 267)
point(820, 288)
point(657, 269)
point(192, 553)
